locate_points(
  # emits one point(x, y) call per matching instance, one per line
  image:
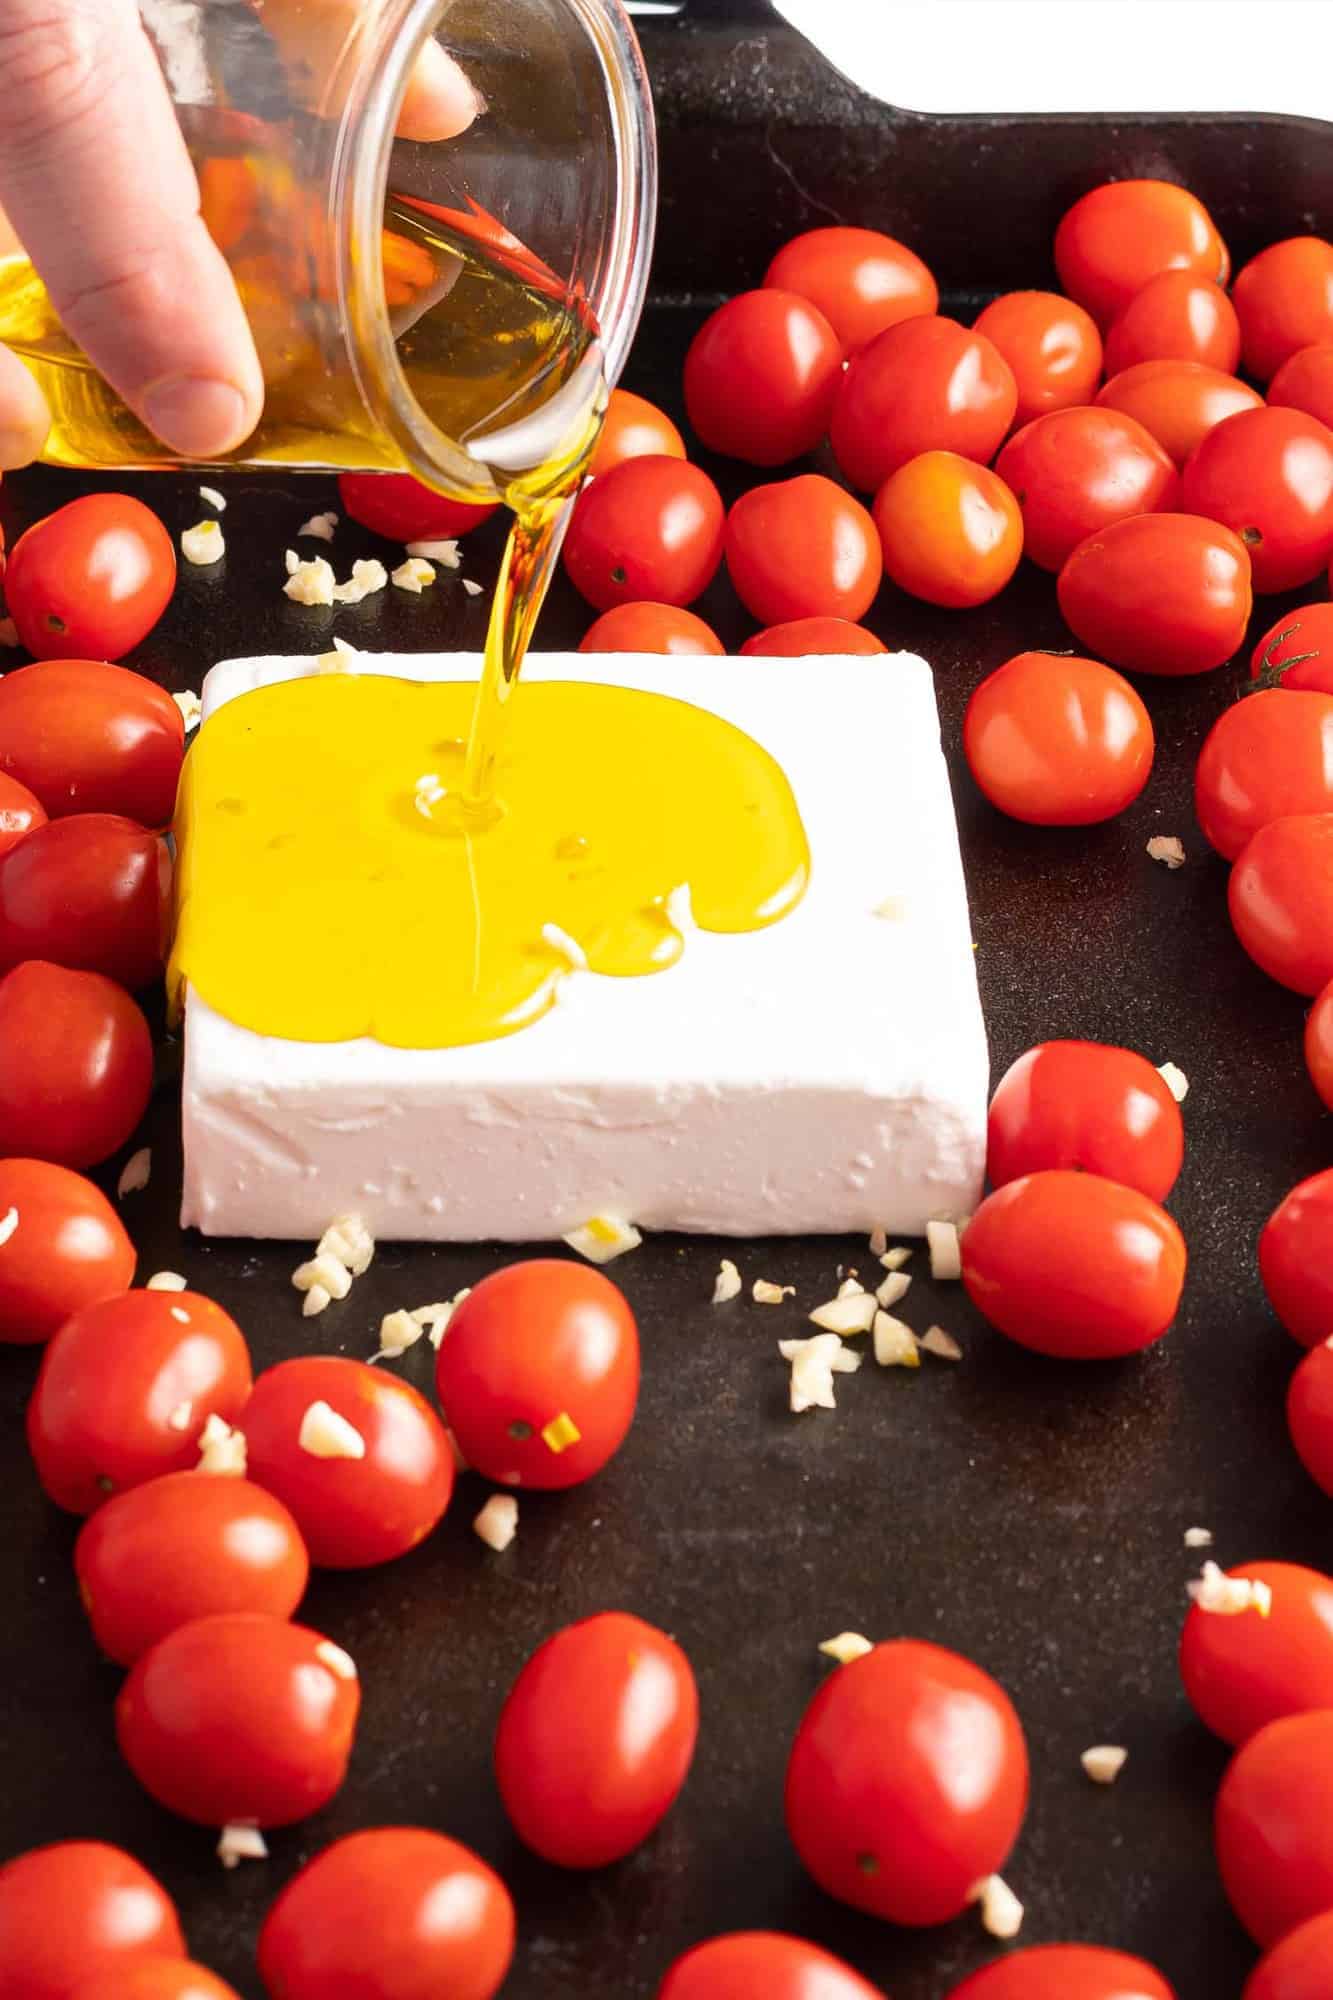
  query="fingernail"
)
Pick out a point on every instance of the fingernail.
point(196, 416)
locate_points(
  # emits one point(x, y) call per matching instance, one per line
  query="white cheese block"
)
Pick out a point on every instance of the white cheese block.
point(826, 1075)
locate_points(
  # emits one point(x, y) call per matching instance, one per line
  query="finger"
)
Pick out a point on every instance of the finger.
point(439, 102)
point(315, 41)
point(96, 179)
point(24, 417)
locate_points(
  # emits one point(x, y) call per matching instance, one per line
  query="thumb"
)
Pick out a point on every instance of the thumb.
point(97, 181)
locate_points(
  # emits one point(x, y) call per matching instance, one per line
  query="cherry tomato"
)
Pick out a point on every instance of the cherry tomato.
point(651, 628)
point(1119, 236)
point(877, 1803)
point(1273, 1825)
point(748, 1963)
point(1242, 1673)
point(1268, 755)
point(125, 1389)
point(951, 531)
point(803, 637)
point(402, 509)
point(1310, 1414)
point(74, 1909)
point(1083, 1105)
point(1305, 382)
point(861, 281)
point(155, 1979)
point(1076, 471)
point(1159, 594)
point(1178, 316)
point(1177, 402)
point(596, 1738)
point(352, 1511)
point(1296, 1259)
point(395, 1913)
point(803, 549)
point(1284, 298)
point(927, 384)
point(1065, 1972)
point(648, 531)
point(634, 428)
point(20, 812)
point(760, 377)
point(62, 1247)
point(1281, 900)
point(184, 1547)
point(1269, 475)
point(1052, 346)
point(530, 1345)
point(90, 892)
point(1299, 1968)
point(240, 1717)
point(76, 1064)
point(91, 580)
point(1058, 741)
point(85, 737)
point(1297, 650)
point(1319, 1045)
point(1075, 1266)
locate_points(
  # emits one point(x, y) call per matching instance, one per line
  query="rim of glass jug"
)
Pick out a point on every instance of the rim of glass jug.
point(361, 175)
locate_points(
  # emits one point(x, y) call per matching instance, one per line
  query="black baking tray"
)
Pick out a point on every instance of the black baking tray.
point(1027, 1513)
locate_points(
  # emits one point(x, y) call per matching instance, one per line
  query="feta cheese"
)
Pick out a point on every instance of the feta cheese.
point(895, 1343)
point(165, 1281)
point(135, 1172)
point(309, 582)
point(814, 1363)
point(946, 1261)
point(445, 553)
point(203, 544)
point(190, 706)
point(1229, 1596)
point(241, 1842)
point(895, 1286)
point(941, 1344)
point(565, 946)
point(1104, 1762)
point(561, 1433)
point(213, 498)
point(326, 1433)
point(1167, 849)
point(1175, 1080)
point(603, 1238)
point(854, 1313)
point(497, 1523)
point(398, 1331)
point(367, 577)
point(222, 1451)
point(180, 1417)
point(847, 1646)
point(413, 575)
point(765, 1293)
point(1198, 1538)
point(319, 526)
point(336, 1660)
point(9, 1222)
point(1001, 1911)
point(472, 589)
point(727, 1284)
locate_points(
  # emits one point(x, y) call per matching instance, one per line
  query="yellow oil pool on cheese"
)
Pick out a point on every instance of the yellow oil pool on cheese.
point(329, 886)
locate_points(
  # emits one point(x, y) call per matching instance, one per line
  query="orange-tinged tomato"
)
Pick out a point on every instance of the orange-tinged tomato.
point(651, 628)
point(85, 737)
point(20, 812)
point(66, 1249)
point(1319, 1045)
point(1076, 471)
point(1242, 1673)
point(803, 548)
point(1296, 651)
point(1284, 298)
point(1305, 382)
point(1159, 594)
point(1090, 1107)
point(950, 530)
point(1299, 1968)
point(1310, 1415)
point(74, 1909)
point(760, 377)
point(1273, 1826)
point(861, 281)
point(803, 637)
point(1267, 755)
point(747, 1963)
point(1178, 316)
point(634, 428)
point(1296, 1260)
point(927, 384)
point(1119, 236)
point(1281, 900)
point(1052, 346)
point(1178, 402)
point(1057, 740)
point(1065, 1972)
point(155, 1979)
point(1268, 474)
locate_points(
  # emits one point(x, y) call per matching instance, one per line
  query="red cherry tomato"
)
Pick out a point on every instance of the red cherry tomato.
point(877, 1803)
point(90, 892)
point(1296, 1259)
point(1273, 1826)
point(1075, 1266)
point(861, 281)
point(155, 1979)
point(648, 531)
point(749, 1963)
point(395, 1913)
point(1243, 1673)
point(1319, 1045)
point(1299, 1968)
point(20, 812)
point(125, 1389)
point(1076, 471)
point(651, 628)
point(927, 384)
point(74, 1909)
point(951, 531)
point(1065, 1972)
point(803, 549)
point(1159, 594)
point(531, 1344)
point(1281, 900)
point(634, 428)
point(804, 637)
point(1269, 475)
point(1058, 741)
point(85, 737)
point(595, 1739)
point(76, 1064)
point(1178, 316)
point(1052, 346)
point(1297, 650)
point(1268, 755)
point(1119, 236)
point(760, 377)
point(1284, 298)
point(184, 1547)
point(240, 1717)
point(1310, 1414)
point(63, 1248)
point(1305, 382)
point(91, 580)
point(400, 508)
point(352, 1511)
point(1177, 402)
point(1083, 1105)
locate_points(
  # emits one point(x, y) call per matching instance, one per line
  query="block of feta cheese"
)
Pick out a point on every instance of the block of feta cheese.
point(826, 1075)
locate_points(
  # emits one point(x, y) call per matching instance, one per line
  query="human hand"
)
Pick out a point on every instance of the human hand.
point(99, 187)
